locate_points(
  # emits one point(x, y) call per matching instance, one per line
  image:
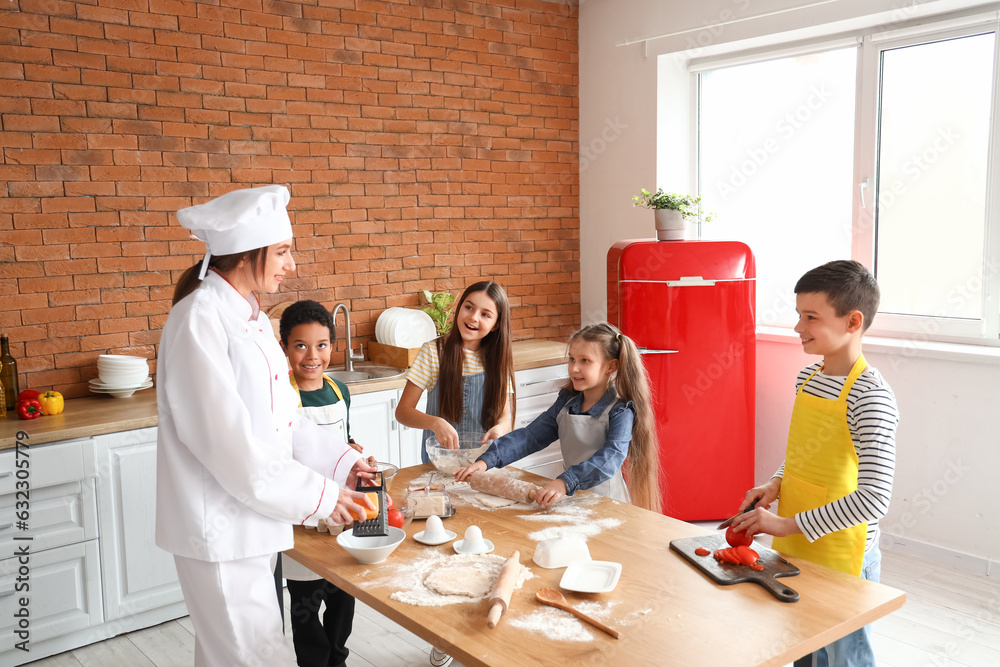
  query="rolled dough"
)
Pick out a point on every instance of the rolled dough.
point(473, 582)
point(489, 500)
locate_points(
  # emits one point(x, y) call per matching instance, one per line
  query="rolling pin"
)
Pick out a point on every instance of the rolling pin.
point(504, 586)
point(503, 486)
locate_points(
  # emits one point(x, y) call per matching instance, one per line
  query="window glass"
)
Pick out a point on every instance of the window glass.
point(934, 134)
point(775, 156)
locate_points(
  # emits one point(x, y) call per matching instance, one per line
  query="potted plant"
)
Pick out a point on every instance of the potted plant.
point(671, 212)
point(440, 305)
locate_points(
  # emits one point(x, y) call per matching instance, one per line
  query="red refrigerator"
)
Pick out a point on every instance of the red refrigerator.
point(689, 306)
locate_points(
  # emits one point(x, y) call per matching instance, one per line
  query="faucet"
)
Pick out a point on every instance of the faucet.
point(349, 356)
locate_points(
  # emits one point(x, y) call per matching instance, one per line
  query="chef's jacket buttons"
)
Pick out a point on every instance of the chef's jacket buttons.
point(289, 424)
point(275, 376)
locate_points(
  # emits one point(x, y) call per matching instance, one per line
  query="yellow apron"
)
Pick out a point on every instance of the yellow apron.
point(821, 466)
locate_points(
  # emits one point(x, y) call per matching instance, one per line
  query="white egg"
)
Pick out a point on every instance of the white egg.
point(473, 535)
point(433, 526)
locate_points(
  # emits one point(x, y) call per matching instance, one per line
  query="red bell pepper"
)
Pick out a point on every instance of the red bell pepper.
point(29, 408)
point(28, 393)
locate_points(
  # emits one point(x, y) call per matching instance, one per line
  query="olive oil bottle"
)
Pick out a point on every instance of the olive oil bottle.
point(8, 374)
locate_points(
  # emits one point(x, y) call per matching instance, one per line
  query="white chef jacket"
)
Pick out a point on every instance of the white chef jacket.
point(236, 465)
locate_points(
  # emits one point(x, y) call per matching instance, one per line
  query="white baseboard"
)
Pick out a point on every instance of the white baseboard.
point(978, 564)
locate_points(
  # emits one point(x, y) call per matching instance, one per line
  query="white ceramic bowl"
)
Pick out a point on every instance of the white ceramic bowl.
point(371, 550)
point(122, 380)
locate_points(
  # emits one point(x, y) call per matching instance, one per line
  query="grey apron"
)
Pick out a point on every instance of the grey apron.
point(581, 436)
point(468, 426)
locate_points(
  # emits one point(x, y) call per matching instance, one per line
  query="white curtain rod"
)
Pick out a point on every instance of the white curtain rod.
point(722, 24)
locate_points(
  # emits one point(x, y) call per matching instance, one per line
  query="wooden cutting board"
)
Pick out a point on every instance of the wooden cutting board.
point(726, 573)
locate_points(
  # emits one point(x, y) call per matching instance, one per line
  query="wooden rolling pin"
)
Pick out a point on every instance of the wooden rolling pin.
point(504, 586)
point(503, 486)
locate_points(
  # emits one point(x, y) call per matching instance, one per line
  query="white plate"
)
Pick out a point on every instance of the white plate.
point(381, 325)
point(96, 383)
point(416, 329)
point(449, 535)
point(460, 548)
point(391, 326)
point(111, 390)
point(591, 576)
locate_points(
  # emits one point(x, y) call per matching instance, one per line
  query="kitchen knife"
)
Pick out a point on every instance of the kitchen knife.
point(728, 522)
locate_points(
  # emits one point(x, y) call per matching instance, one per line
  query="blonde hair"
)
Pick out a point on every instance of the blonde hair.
point(642, 466)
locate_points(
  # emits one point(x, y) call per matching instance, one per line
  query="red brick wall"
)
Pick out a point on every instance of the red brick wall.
point(426, 143)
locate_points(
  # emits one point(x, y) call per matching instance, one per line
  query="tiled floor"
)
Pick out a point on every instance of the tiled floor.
point(951, 618)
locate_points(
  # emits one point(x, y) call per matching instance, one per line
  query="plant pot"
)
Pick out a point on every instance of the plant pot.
point(670, 225)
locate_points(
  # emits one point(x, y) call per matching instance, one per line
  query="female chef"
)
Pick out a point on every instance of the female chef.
point(236, 465)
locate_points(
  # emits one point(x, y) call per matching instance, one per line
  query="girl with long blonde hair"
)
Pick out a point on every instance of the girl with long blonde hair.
point(604, 423)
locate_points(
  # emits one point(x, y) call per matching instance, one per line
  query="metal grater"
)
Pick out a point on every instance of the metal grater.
point(372, 527)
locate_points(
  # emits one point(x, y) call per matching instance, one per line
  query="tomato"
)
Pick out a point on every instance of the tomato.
point(702, 551)
point(738, 539)
point(396, 518)
point(746, 555)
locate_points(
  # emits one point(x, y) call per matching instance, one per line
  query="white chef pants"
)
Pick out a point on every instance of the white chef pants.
point(235, 617)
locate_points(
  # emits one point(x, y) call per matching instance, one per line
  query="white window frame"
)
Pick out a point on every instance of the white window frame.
point(871, 43)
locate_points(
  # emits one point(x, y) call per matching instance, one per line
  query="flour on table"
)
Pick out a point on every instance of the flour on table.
point(409, 579)
point(578, 530)
point(473, 582)
point(554, 624)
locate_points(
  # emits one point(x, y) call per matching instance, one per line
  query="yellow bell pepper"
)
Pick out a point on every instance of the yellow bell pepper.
point(52, 402)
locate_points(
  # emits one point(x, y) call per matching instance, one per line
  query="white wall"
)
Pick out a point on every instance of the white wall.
point(946, 503)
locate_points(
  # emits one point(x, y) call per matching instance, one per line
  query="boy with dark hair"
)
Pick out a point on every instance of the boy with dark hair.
point(306, 332)
point(836, 481)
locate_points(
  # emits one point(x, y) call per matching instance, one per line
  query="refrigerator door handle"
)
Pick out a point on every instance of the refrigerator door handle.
point(643, 350)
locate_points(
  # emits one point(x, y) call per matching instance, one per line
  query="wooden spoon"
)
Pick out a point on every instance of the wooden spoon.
point(551, 596)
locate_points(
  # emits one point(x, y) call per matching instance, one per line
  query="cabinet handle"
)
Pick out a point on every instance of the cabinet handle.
point(531, 382)
point(392, 418)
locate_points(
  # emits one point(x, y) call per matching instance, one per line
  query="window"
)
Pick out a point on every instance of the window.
point(880, 151)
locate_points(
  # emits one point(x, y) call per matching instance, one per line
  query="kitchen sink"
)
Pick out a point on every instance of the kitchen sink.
point(365, 372)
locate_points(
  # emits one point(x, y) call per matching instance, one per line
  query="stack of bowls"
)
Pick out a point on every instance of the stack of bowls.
point(120, 375)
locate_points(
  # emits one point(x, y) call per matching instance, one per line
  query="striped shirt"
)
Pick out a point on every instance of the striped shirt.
point(872, 417)
point(426, 367)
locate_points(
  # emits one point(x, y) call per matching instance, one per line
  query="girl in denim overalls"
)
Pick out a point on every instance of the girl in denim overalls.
point(468, 374)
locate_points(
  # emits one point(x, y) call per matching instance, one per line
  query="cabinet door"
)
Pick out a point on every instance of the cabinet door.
point(373, 424)
point(64, 595)
point(138, 574)
point(411, 439)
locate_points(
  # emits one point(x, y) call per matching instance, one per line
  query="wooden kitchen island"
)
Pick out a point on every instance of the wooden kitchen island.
point(668, 613)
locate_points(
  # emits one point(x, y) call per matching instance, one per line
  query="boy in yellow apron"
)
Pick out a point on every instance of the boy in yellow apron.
point(836, 481)
point(307, 337)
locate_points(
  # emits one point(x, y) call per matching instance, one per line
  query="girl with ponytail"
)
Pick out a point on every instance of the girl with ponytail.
point(603, 421)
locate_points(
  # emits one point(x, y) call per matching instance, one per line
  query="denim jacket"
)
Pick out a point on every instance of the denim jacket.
point(543, 431)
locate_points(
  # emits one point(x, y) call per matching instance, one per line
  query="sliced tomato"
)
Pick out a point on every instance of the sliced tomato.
point(702, 551)
point(746, 555)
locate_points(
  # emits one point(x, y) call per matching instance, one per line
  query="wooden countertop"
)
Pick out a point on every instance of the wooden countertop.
point(667, 612)
point(96, 415)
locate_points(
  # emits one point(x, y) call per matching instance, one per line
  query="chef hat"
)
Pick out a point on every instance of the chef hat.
point(238, 221)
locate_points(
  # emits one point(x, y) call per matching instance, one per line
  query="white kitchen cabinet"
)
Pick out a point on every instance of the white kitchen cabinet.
point(138, 575)
point(374, 425)
point(537, 389)
point(64, 596)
